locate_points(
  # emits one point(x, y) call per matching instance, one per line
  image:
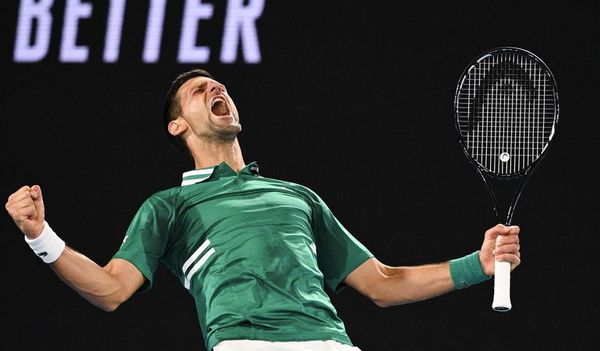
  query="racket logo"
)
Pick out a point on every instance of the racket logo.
point(504, 157)
point(502, 78)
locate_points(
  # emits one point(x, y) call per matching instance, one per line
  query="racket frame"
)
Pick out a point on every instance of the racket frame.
point(501, 301)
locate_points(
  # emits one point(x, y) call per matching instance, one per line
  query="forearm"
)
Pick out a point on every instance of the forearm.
point(93, 282)
point(390, 286)
point(401, 285)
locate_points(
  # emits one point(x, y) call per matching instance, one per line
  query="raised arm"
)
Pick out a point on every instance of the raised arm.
point(105, 287)
point(390, 286)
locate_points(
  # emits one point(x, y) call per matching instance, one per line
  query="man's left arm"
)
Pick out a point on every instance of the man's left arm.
point(390, 286)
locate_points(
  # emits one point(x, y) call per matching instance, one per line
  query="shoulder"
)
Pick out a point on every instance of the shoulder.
point(162, 198)
point(300, 189)
point(166, 194)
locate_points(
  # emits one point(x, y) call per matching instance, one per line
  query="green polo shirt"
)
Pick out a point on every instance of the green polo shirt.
point(255, 253)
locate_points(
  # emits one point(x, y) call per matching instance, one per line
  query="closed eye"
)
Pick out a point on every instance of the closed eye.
point(200, 89)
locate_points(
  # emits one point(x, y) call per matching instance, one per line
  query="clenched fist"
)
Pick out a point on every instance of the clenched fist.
point(26, 207)
point(502, 243)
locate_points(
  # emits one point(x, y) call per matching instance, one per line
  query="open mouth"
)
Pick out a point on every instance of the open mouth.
point(219, 107)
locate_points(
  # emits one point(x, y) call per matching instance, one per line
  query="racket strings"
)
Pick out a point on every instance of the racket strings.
point(506, 111)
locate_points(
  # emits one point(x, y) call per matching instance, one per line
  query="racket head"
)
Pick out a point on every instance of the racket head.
point(506, 109)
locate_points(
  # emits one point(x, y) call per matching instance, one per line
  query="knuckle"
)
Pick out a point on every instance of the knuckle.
point(14, 195)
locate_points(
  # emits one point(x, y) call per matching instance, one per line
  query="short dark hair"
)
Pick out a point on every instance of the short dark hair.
point(172, 108)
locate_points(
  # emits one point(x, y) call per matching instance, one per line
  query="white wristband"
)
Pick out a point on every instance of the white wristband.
point(48, 246)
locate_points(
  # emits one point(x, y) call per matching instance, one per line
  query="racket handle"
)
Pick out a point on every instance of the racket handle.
point(501, 302)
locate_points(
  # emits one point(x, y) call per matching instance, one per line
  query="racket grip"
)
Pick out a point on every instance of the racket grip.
point(501, 302)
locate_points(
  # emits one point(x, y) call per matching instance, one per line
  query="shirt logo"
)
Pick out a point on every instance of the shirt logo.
point(189, 272)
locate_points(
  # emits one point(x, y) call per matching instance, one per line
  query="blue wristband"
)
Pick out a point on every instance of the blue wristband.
point(467, 271)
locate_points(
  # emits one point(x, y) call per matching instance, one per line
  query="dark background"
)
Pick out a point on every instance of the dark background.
point(352, 99)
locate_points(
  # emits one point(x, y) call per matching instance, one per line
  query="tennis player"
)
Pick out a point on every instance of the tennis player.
point(255, 253)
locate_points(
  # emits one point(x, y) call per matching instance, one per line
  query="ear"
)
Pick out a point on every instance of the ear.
point(177, 126)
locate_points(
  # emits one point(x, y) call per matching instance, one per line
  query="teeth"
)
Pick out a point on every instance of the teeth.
point(215, 101)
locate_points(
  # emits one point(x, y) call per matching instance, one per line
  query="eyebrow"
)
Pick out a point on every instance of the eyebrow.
point(203, 83)
point(193, 87)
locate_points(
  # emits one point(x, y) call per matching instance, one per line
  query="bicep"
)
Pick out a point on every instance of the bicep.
point(366, 277)
point(128, 275)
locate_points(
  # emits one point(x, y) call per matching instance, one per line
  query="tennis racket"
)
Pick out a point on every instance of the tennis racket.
point(506, 110)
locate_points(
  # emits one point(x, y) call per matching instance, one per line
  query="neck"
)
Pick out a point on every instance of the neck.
point(208, 154)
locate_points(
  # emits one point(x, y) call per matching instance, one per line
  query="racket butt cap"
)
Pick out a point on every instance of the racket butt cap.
point(501, 308)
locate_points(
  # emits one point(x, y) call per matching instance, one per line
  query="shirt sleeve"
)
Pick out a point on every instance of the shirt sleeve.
point(146, 238)
point(338, 252)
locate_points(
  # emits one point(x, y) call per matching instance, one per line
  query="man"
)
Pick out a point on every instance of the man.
point(255, 253)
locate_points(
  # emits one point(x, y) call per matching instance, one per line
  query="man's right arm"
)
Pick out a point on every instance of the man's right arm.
point(105, 287)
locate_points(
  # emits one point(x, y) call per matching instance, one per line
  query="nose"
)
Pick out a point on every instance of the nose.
point(215, 86)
